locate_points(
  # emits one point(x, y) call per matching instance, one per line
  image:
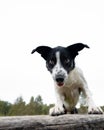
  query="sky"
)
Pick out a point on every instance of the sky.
point(26, 24)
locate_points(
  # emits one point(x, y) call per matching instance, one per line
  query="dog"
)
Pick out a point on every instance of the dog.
point(68, 79)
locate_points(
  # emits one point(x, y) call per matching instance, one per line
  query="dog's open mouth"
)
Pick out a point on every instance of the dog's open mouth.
point(60, 84)
point(60, 81)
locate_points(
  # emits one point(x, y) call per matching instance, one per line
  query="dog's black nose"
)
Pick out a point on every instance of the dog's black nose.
point(60, 79)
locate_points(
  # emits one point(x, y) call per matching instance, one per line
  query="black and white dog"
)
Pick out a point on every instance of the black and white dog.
point(69, 80)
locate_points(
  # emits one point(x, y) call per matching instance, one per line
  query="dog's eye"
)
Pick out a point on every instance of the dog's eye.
point(51, 62)
point(67, 61)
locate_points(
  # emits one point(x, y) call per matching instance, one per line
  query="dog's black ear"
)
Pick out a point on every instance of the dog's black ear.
point(75, 48)
point(43, 50)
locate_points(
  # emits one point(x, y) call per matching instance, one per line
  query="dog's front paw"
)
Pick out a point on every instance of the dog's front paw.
point(95, 110)
point(56, 111)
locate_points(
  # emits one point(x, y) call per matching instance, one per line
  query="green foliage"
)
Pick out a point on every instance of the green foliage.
point(19, 108)
point(83, 109)
point(30, 107)
point(4, 108)
point(34, 107)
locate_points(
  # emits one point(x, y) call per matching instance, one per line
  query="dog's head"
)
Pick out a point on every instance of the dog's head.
point(60, 60)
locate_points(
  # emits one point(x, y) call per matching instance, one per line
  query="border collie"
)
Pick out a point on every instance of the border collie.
point(68, 79)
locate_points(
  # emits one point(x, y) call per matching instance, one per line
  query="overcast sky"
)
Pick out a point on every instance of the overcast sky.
point(26, 24)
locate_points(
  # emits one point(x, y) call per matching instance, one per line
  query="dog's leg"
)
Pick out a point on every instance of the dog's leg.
point(92, 108)
point(59, 108)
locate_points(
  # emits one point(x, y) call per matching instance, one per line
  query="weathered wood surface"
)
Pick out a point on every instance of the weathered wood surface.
point(64, 122)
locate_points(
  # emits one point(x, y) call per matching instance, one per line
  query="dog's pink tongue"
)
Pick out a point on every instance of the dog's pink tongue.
point(60, 84)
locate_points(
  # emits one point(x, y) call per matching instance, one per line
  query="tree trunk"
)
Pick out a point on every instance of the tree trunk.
point(64, 122)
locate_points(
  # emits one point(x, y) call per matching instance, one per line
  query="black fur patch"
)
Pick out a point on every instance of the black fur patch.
point(67, 55)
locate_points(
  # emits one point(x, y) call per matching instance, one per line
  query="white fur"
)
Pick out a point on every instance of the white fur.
point(68, 95)
point(58, 69)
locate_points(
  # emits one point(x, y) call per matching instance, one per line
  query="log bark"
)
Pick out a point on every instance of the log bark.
point(64, 122)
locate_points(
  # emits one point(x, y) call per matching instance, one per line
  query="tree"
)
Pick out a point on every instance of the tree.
point(38, 105)
point(18, 108)
point(38, 100)
point(30, 107)
point(45, 109)
point(4, 108)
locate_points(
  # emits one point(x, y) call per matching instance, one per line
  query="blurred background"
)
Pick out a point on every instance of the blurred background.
point(26, 24)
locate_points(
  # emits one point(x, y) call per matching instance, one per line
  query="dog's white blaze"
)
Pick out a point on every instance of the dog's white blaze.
point(58, 64)
point(58, 69)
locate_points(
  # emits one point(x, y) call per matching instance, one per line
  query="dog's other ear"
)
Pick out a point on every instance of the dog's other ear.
point(43, 50)
point(75, 48)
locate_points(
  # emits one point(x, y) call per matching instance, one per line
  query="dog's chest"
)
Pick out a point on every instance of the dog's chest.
point(71, 96)
point(72, 88)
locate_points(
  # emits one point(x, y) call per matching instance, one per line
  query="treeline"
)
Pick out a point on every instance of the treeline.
point(34, 107)
point(19, 108)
